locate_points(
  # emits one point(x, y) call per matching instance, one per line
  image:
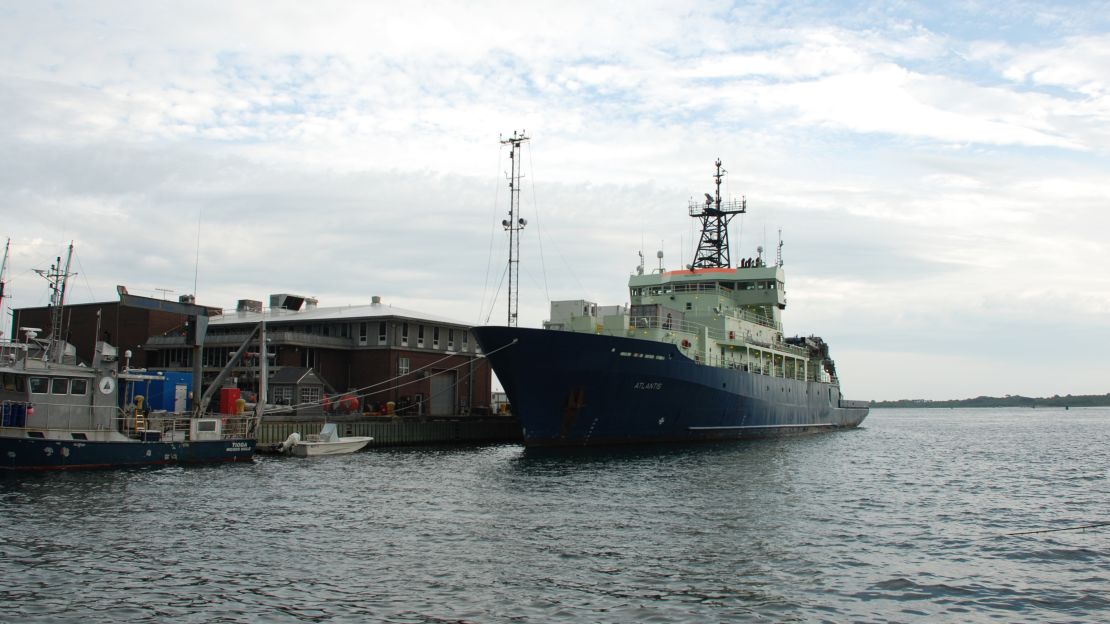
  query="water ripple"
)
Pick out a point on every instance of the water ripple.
point(902, 520)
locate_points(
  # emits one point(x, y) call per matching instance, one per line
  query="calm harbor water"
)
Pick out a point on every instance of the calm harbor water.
point(900, 520)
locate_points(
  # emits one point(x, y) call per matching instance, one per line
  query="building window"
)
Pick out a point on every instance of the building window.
point(420, 335)
point(308, 358)
point(79, 386)
point(283, 395)
point(177, 358)
point(310, 394)
point(216, 357)
point(435, 337)
point(450, 339)
point(404, 334)
point(59, 385)
point(403, 366)
point(381, 332)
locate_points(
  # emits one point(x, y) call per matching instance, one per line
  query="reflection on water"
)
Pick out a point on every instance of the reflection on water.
point(899, 520)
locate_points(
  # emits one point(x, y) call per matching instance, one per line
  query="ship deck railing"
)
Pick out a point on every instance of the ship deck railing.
point(729, 206)
point(12, 352)
point(152, 426)
point(696, 329)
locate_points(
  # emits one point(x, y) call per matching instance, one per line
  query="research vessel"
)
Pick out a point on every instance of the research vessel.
point(698, 354)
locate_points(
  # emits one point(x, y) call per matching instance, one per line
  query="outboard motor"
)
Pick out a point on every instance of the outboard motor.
point(290, 442)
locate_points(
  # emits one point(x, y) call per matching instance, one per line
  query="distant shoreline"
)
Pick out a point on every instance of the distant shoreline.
point(1079, 400)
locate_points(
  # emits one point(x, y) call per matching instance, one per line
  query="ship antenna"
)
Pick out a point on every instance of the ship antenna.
point(715, 214)
point(514, 224)
point(57, 276)
point(778, 259)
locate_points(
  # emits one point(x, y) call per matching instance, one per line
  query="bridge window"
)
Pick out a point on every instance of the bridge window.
point(13, 383)
point(59, 385)
point(79, 386)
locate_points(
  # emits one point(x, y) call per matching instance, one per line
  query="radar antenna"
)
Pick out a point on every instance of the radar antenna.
point(715, 214)
point(514, 224)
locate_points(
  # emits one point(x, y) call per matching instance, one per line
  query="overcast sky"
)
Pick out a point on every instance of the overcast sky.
point(939, 170)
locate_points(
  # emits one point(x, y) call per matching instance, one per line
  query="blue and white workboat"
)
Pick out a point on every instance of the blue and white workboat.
point(57, 414)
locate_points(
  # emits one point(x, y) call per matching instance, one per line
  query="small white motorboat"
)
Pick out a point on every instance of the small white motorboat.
point(327, 442)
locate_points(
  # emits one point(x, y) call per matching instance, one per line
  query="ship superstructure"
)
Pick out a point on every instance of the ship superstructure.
point(715, 314)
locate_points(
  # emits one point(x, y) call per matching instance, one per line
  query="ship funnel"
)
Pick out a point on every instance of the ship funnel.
point(376, 300)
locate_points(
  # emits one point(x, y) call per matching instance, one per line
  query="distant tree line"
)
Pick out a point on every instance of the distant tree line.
point(1010, 400)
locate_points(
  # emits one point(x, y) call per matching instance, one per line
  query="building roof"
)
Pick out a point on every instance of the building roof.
point(373, 311)
point(295, 375)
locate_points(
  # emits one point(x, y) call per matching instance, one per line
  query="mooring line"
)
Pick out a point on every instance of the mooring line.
point(1074, 528)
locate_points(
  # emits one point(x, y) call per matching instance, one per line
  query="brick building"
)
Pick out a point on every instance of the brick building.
point(424, 364)
point(124, 327)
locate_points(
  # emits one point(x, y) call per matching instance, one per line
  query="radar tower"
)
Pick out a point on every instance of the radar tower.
point(715, 214)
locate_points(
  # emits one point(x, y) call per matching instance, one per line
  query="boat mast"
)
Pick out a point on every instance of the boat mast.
point(57, 276)
point(3, 275)
point(263, 376)
point(514, 224)
point(715, 214)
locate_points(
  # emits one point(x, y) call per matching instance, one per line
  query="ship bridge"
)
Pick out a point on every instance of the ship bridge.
point(759, 290)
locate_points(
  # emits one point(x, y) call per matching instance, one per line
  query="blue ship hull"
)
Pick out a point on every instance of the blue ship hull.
point(573, 389)
point(46, 454)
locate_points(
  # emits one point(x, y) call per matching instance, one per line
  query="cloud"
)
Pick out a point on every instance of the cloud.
point(938, 191)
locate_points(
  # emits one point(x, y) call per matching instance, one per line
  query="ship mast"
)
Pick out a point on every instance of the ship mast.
point(715, 214)
point(3, 275)
point(57, 276)
point(514, 224)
